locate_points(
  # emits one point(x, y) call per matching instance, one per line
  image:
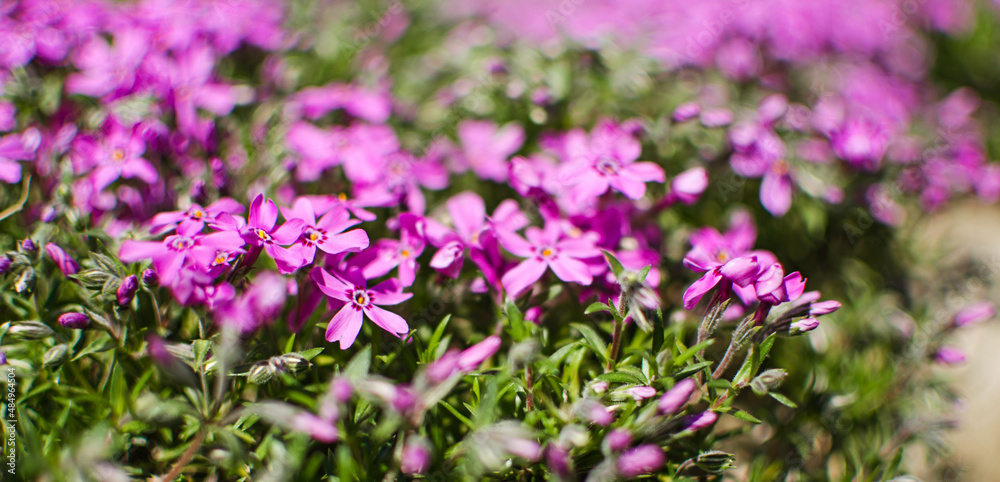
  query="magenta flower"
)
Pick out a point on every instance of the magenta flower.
point(468, 218)
point(74, 320)
point(65, 262)
point(547, 248)
point(360, 302)
point(640, 461)
point(606, 160)
point(196, 215)
point(759, 152)
point(260, 231)
point(861, 143)
point(390, 253)
point(975, 313)
point(14, 148)
point(106, 69)
point(187, 245)
point(675, 398)
point(327, 234)
point(486, 148)
point(726, 258)
point(118, 154)
point(127, 289)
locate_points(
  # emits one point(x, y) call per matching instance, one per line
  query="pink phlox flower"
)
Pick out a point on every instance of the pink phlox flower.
point(351, 287)
point(328, 233)
point(547, 248)
point(260, 231)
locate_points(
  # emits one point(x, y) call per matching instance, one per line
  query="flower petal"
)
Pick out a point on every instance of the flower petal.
point(698, 289)
point(523, 275)
point(387, 320)
point(345, 326)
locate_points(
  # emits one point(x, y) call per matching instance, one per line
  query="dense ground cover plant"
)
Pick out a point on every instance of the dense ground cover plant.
point(259, 240)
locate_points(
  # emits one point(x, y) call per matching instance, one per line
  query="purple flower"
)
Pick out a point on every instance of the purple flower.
point(468, 218)
point(416, 456)
point(725, 258)
point(171, 254)
point(14, 148)
point(641, 392)
point(686, 111)
point(260, 231)
point(547, 248)
point(678, 396)
point(74, 320)
point(387, 254)
point(687, 186)
point(606, 160)
point(328, 233)
point(641, 460)
point(804, 325)
point(66, 264)
point(486, 148)
point(360, 302)
point(116, 154)
point(975, 313)
point(194, 215)
point(5, 264)
point(104, 68)
point(618, 439)
point(126, 290)
point(861, 143)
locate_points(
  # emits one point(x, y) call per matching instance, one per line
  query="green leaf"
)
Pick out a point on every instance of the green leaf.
point(358, 367)
point(616, 266)
point(458, 415)
point(596, 307)
point(311, 353)
point(690, 352)
point(435, 340)
point(690, 370)
point(740, 414)
point(783, 400)
point(620, 377)
point(593, 340)
point(200, 348)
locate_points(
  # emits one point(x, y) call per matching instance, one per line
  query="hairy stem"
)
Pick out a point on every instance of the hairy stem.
point(185, 457)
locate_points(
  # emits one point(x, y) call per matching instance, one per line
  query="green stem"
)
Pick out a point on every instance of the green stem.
point(616, 336)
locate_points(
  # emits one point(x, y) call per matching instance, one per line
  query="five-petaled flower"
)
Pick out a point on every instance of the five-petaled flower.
point(351, 288)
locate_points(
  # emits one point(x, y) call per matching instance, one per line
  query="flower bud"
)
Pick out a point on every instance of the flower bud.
point(3, 358)
point(595, 412)
point(641, 460)
point(126, 291)
point(260, 373)
point(66, 263)
point(676, 397)
point(803, 326)
point(975, 313)
point(768, 380)
point(74, 320)
point(27, 246)
point(949, 356)
point(700, 421)
point(416, 456)
point(30, 330)
point(49, 214)
point(714, 461)
point(441, 369)
point(641, 392)
point(317, 428)
point(295, 362)
point(5, 264)
point(55, 356)
point(475, 355)
point(686, 112)
point(150, 278)
point(26, 281)
point(823, 307)
point(599, 386)
point(619, 439)
point(688, 186)
point(341, 389)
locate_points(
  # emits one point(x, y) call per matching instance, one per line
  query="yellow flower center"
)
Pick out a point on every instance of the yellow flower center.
point(199, 214)
point(405, 253)
point(546, 252)
point(722, 257)
point(342, 196)
point(261, 234)
point(313, 236)
point(118, 155)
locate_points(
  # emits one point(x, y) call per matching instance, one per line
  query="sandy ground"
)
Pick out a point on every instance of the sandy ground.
point(972, 232)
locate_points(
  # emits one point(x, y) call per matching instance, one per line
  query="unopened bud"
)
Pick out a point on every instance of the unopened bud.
point(295, 362)
point(768, 380)
point(150, 278)
point(64, 261)
point(27, 246)
point(55, 356)
point(26, 281)
point(715, 461)
point(416, 456)
point(676, 397)
point(5, 264)
point(30, 330)
point(619, 439)
point(260, 373)
point(126, 291)
point(74, 320)
point(700, 421)
point(803, 326)
point(949, 356)
point(641, 460)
